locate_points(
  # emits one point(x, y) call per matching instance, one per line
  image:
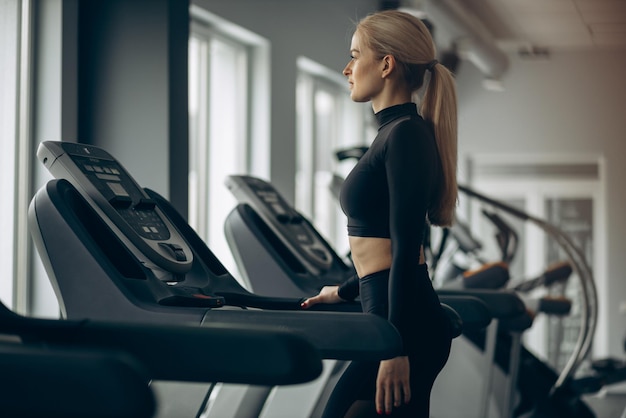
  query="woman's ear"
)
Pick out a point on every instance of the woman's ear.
point(389, 65)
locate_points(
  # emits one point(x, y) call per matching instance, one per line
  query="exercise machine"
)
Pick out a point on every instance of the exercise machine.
point(115, 251)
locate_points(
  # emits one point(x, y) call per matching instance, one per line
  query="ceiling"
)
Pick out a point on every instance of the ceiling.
point(486, 32)
point(552, 25)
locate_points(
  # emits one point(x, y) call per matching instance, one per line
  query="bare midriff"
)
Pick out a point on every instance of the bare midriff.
point(371, 255)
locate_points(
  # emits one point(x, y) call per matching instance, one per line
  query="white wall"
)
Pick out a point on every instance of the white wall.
point(570, 103)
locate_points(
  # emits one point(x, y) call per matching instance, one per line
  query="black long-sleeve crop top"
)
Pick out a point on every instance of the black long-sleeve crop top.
point(388, 192)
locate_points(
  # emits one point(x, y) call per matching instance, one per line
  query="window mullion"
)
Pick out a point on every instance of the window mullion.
point(23, 249)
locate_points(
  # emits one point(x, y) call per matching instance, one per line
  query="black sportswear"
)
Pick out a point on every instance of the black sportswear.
point(427, 344)
point(388, 194)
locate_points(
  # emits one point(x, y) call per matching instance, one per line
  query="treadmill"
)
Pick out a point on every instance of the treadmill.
point(117, 252)
point(279, 252)
point(77, 368)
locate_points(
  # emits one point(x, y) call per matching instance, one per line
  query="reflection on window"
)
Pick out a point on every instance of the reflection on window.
point(327, 120)
point(221, 90)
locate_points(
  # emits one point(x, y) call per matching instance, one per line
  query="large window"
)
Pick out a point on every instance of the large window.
point(14, 102)
point(328, 121)
point(228, 126)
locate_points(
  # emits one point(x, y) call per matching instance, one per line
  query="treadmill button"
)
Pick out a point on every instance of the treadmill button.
point(120, 202)
point(145, 204)
point(174, 250)
point(283, 218)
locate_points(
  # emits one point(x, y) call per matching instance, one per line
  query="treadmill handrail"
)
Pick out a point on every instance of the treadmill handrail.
point(266, 354)
point(501, 303)
point(382, 337)
point(473, 311)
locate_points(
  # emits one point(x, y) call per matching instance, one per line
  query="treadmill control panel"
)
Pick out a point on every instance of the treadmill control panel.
point(137, 210)
point(300, 237)
point(122, 203)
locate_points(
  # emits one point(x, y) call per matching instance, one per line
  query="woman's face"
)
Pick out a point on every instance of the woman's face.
point(364, 72)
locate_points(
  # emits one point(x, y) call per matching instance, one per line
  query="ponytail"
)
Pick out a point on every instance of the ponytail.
point(439, 106)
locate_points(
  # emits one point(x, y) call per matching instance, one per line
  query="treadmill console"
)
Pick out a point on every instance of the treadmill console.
point(123, 204)
point(301, 238)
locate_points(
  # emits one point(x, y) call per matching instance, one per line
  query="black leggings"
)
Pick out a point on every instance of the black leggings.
point(428, 349)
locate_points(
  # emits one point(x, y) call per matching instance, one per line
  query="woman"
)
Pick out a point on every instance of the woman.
point(406, 180)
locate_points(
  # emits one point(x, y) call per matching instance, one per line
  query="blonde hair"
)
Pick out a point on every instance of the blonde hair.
point(408, 40)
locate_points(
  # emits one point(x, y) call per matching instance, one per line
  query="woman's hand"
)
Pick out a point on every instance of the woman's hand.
point(328, 294)
point(392, 384)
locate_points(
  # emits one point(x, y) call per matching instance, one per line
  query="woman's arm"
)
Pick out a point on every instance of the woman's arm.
point(410, 163)
point(346, 292)
point(328, 294)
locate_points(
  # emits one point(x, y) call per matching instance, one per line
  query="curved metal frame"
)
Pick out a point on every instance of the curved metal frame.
point(589, 306)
